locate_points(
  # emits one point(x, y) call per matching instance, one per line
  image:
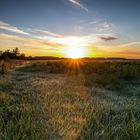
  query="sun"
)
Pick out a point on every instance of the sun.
point(74, 47)
point(75, 52)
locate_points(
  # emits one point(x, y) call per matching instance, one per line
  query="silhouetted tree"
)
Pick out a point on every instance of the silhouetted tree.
point(6, 55)
point(15, 54)
point(0, 54)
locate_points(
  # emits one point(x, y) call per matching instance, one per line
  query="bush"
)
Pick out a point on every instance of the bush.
point(3, 69)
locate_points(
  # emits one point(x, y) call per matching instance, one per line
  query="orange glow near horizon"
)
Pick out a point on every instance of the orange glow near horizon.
point(68, 46)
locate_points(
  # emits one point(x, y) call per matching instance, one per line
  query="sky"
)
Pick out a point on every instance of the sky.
point(100, 28)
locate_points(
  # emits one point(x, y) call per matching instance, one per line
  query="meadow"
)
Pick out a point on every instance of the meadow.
point(70, 100)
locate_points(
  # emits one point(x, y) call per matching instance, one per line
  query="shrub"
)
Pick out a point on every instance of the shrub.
point(3, 69)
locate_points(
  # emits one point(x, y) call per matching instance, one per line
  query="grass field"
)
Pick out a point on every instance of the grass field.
point(71, 100)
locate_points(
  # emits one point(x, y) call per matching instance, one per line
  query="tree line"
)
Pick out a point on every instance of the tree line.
point(14, 54)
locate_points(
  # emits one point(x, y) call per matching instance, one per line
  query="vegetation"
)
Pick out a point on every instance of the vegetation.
point(18, 113)
point(106, 74)
point(71, 99)
point(3, 69)
point(14, 54)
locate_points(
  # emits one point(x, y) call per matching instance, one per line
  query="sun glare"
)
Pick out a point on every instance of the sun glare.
point(75, 52)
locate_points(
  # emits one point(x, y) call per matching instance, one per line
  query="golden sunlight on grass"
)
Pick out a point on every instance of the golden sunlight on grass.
point(74, 65)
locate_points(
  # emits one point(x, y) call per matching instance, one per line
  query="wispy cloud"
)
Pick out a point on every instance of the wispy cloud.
point(131, 44)
point(105, 27)
point(30, 46)
point(29, 41)
point(96, 26)
point(44, 42)
point(79, 4)
point(55, 45)
point(54, 39)
point(132, 47)
point(94, 22)
point(44, 33)
point(128, 50)
point(31, 32)
point(8, 27)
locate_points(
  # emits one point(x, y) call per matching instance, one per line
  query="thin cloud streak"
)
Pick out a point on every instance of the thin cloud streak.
point(77, 3)
point(44, 33)
point(8, 27)
point(105, 27)
point(28, 44)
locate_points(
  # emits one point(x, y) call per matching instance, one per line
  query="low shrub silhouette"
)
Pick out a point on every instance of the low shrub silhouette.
point(3, 69)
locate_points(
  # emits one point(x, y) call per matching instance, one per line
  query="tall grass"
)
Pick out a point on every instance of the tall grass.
point(106, 74)
point(72, 100)
point(19, 113)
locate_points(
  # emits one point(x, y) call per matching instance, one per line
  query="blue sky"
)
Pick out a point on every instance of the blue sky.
point(105, 26)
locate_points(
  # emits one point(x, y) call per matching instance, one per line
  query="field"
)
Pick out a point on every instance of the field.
point(70, 100)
